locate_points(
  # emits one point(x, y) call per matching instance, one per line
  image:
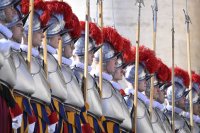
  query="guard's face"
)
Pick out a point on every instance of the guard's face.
point(90, 57)
point(10, 12)
point(196, 109)
point(156, 92)
point(17, 31)
point(37, 38)
point(181, 103)
point(111, 65)
point(142, 85)
point(68, 50)
point(118, 74)
point(54, 41)
point(161, 96)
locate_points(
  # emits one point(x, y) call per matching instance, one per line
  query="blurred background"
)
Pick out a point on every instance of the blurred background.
point(122, 14)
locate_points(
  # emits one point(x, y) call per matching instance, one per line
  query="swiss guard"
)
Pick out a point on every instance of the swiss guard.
point(162, 77)
point(147, 66)
point(10, 111)
point(59, 13)
point(94, 113)
point(111, 104)
point(181, 82)
point(74, 102)
point(22, 89)
point(122, 62)
point(46, 118)
point(163, 80)
point(195, 100)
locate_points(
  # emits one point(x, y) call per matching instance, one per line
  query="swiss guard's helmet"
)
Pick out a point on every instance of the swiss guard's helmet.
point(74, 34)
point(60, 13)
point(112, 44)
point(148, 65)
point(95, 39)
point(181, 82)
point(5, 3)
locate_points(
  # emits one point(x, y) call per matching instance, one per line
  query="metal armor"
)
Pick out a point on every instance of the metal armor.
point(180, 124)
point(23, 77)
point(42, 88)
point(143, 119)
point(74, 92)
point(93, 98)
point(164, 120)
point(157, 123)
point(111, 104)
point(7, 70)
point(196, 128)
point(127, 123)
point(55, 78)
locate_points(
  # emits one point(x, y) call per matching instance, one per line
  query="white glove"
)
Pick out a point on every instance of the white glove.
point(17, 121)
point(31, 127)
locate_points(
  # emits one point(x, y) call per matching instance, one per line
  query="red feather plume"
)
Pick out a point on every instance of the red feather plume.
point(60, 8)
point(127, 51)
point(94, 32)
point(38, 5)
point(152, 64)
point(111, 36)
point(163, 73)
point(146, 56)
point(74, 24)
point(178, 72)
point(196, 78)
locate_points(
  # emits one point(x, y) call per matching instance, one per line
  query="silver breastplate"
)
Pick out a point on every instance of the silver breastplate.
point(56, 79)
point(23, 77)
point(111, 105)
point(127, 122)
point(42, 88)
point(164, 121)
point(180, 124)
point(93, 98)
point(196, 128)
point(143, 120)
point(74, 92)
point(157, 123)
point(7, 70)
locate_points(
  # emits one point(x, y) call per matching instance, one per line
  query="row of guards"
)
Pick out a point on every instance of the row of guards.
point(61, 75)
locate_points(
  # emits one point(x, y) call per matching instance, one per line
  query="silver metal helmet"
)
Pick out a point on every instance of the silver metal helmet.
point(108, 53)
point(130, 73)
point(36, 23)
point(5, 3)
point(66, 39)
point(180, 90)
point(195, 93)
point(17, 18)
point(80, 46)
point(56, 25)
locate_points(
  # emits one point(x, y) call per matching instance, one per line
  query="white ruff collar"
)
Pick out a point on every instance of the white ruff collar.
point(141, 96)
point(5, 31)
point(65, 60)
point(196, 118)
point(106, 76)
point(116, 85)
point(51, 50)
point(158, 105)
point(35, 52)
point(15, 45)
point(81, 65)
point(176, 109)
